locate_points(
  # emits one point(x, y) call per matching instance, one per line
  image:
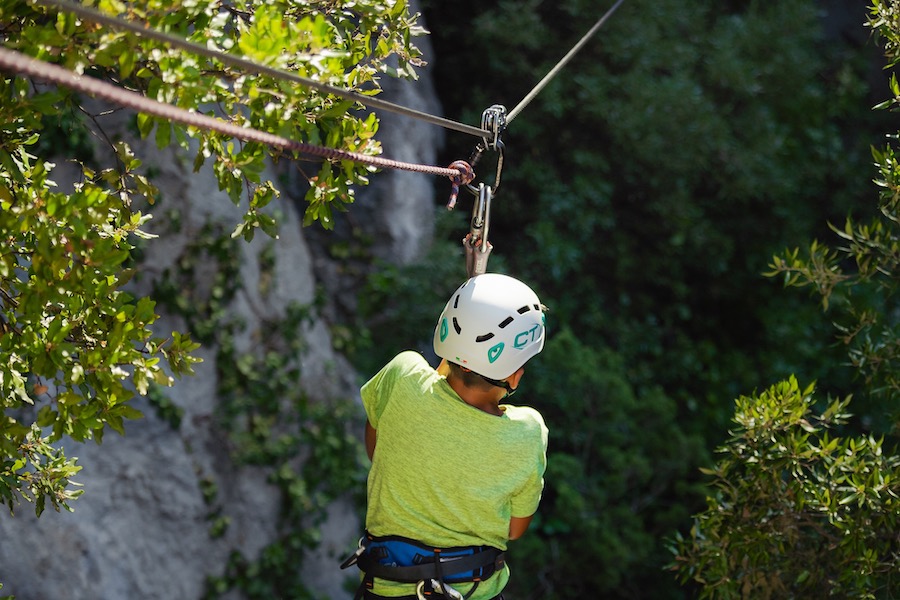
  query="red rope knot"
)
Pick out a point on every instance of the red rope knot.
point(465, 176)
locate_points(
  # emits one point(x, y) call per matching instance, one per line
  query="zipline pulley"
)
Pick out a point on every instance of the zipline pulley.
point(493, 119)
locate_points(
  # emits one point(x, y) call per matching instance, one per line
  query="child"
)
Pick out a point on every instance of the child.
point(455, 474)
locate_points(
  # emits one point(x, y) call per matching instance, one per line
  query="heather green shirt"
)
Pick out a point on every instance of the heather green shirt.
point(444, 472)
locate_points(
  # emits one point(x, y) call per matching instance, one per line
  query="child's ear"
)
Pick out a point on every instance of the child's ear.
point(515, 377)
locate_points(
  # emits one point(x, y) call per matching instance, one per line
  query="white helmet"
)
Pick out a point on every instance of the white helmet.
point(492, 325)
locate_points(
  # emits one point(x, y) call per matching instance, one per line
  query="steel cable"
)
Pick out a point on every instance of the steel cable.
point(254, 67)
point(562, 62)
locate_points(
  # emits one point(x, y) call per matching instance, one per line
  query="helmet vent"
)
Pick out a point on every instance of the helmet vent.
point(524, 309)
point(484, 338)
point(456, 326)
point(505, 322)
point(456, 301)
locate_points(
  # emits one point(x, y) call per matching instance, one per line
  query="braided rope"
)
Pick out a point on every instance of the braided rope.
point(16, 62)
point(143, 30)
point(465, 174)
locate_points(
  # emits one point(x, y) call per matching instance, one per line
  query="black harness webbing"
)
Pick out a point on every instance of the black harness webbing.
point(449, 566)
point(403, 560)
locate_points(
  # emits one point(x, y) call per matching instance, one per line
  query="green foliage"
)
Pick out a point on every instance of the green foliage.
point(616, 451)
point(164, 408)
point(883, 21)
point(40, 473)
point(76, 346)
point(205, 305)
point(857, 281)
point(798, 511)
point(309, 450)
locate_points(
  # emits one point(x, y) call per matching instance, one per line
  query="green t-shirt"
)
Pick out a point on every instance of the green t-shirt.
point(446, 473)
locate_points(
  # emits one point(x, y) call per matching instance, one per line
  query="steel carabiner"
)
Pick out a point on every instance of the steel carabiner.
point(478, 248)
point(444, 589)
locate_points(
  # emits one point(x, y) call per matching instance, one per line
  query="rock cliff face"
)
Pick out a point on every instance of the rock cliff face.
point(142, 528)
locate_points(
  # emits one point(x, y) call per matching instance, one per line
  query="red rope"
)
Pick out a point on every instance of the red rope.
point(16, 62)
point(464, 175)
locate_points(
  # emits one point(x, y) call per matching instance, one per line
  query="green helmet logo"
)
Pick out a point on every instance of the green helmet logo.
point(445, 330)
point(494, 352)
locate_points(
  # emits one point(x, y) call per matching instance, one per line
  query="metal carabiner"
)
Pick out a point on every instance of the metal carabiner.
point(476, 156)
point(478, 248)
point(445, 590)
point(353, 558)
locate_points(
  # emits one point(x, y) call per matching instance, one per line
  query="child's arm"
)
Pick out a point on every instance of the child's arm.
point(371, 438)
point(518, 526)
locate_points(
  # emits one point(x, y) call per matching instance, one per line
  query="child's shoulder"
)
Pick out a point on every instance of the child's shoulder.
point(409, 363)
point(525, 414)
point(409, 359)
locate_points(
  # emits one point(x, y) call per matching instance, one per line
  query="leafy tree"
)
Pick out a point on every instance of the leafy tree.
point(857, 281)
point(797, 510)
point(77, 346)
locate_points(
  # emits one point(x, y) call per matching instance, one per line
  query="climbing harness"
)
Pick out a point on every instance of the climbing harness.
point(432, 569)
point(446, 590)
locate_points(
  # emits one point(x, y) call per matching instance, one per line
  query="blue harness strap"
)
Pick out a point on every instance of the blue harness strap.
point(401, 559)
point(404, 560)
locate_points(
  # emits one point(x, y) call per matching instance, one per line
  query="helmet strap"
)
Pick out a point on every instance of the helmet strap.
point(500, 384)
point(495, 382)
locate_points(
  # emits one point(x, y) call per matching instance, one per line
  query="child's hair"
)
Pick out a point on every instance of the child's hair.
point(470, 379)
